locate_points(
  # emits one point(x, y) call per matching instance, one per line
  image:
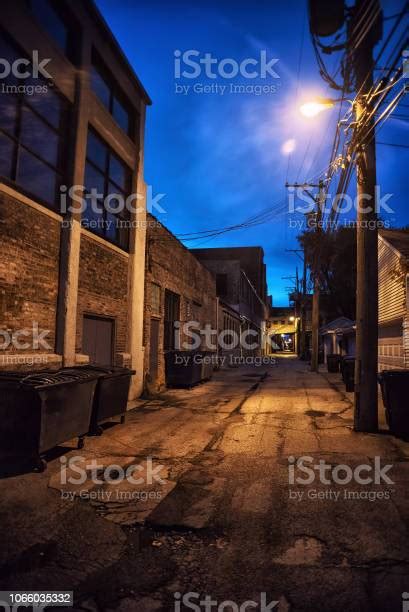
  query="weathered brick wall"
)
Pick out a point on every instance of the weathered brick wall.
point(29, 268)
point(103, 289)
point(171, 266)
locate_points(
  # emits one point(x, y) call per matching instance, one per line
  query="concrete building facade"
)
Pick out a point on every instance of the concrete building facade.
point(71, 138)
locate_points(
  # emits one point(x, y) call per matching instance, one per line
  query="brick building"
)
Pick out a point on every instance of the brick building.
point(282, 327)
point(71, 140)
point(241, 285)
point(178, 290)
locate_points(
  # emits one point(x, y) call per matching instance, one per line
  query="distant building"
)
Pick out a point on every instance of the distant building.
point(338, 337)
point(180, 300)
point(393, 273)
point(282, 328)
point(77, 276)
point(241, 287)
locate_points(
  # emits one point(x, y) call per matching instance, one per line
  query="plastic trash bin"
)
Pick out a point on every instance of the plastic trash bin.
point(111, 394)
point(39, 411)
point(333, 363)
point(183, 368)
point(348, 372)
point(395, 391)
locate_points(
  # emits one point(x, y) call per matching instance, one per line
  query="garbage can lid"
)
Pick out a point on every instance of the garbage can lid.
point(101, 370)
point(48, 379)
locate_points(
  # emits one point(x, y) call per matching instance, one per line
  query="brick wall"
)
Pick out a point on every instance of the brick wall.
point(103, 290)
point(29, 268)
point(171, 266)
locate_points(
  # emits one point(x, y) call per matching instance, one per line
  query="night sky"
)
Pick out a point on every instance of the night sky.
point(220, 159)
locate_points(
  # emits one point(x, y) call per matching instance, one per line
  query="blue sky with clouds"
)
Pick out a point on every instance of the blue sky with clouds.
point(219, 159)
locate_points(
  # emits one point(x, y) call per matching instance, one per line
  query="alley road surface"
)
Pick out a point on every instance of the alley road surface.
point(236, 518)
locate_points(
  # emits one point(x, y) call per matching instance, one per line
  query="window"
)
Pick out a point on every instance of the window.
point(58, 24)
point(32, 135)
point(111, 96)
point(107, 179)
point(172, 310)
point(155, 298)
point(221, 284)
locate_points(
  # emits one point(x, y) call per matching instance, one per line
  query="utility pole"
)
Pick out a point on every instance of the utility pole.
point(303, 326)
point(317, 289)
point(319, 201)
point(366, 364)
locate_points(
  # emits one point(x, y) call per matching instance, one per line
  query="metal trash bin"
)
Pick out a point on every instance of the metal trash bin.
point(111, 394)
point(39, 411)
point(395, 391)
point(183, 368)
point(348, 372)
point(333, 363)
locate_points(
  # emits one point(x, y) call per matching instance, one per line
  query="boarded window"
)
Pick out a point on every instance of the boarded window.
point(155, 298)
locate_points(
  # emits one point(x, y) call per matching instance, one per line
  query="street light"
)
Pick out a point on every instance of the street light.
point(313, 108)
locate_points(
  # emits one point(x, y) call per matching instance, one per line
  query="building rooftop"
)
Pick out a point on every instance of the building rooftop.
point(398, 238)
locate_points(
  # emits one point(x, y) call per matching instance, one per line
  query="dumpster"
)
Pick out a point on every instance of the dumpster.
point(348, 372)
point(111, 394)
point(333, 363)
point(183, 368)
point(395, 391)
point(39, 411)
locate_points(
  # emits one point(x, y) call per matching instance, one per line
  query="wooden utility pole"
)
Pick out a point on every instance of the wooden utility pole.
point(319, 202)
point(303, 324)
point(366, 364)
point(317, 288)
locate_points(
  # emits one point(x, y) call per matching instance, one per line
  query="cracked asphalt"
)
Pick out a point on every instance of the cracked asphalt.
point(234, 515)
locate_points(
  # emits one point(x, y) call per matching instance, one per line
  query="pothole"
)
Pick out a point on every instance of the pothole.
point(305, 551)
point(315, 413)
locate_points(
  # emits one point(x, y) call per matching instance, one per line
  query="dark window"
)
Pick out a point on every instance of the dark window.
point(111, 96)
point(221, 284)
point(59, 25)
point(106, 175)
point(172, 314)
point(33, 123)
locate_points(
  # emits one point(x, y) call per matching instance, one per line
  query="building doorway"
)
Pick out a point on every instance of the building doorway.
point(154, 350)
point(98, 339)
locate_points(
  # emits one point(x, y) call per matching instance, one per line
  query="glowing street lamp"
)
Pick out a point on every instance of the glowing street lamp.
point(313, 108)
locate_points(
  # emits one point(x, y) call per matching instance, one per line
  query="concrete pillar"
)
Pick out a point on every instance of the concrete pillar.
point(137, 276)
point(71, 233)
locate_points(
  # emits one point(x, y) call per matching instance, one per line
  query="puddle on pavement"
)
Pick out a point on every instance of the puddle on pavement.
point(305, 551)
point(315, 413)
